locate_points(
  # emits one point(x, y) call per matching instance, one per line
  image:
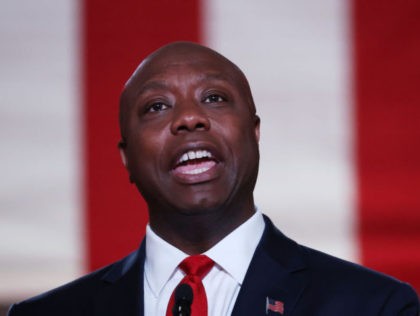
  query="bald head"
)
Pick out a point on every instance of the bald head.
point(180, 55)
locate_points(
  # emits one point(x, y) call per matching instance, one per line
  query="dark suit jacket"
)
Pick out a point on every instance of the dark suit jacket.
point(303, 280)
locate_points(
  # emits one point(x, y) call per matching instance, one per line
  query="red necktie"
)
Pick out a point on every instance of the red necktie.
point(195, 268)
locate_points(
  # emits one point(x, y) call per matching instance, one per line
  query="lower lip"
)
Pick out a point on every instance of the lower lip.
point(198, 173)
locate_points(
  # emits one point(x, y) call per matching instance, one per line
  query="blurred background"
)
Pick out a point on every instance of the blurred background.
point(336, 83)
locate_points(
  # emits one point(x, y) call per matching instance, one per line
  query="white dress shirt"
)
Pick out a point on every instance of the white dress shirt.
point(232, 256)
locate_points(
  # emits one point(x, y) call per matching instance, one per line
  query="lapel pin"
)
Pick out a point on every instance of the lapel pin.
point(274, 306)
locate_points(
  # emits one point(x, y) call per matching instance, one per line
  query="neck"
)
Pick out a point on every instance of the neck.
point(196, 232)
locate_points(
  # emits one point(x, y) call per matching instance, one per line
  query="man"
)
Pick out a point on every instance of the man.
point(190, 144)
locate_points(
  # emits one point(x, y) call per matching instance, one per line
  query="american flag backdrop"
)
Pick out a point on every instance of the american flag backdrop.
point(337, 87)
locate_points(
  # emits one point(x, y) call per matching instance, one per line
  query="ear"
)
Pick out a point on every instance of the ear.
point(121, 147)
point(257, 127)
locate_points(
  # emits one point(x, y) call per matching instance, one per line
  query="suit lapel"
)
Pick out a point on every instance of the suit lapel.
point(123, 290)
point(277, 272)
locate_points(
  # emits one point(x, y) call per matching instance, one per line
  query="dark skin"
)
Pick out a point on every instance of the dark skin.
point(183, 100)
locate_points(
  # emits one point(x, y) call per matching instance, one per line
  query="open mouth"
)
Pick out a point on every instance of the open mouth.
point(195, 162)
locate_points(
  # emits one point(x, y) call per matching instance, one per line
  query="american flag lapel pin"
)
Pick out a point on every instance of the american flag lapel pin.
point(274, 306)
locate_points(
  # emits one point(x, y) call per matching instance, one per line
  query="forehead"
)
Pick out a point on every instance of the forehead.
point(158, 71)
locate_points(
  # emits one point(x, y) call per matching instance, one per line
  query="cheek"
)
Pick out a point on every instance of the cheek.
point(241, 134)
point(146, 149)
point(241, 142)
point(247, 143)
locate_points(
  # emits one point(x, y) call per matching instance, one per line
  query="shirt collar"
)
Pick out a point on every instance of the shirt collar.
point(233, 253)
point(161, 261)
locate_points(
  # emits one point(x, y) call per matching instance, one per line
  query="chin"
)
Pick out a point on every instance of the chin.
point(199, 208)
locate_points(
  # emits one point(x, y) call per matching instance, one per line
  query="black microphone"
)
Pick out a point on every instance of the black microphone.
point(183, 300)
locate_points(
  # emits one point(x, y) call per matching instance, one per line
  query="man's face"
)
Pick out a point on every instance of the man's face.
point(191, 134)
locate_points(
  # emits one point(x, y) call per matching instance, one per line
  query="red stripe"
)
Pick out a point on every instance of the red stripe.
point(116, 37)
point(387, 87)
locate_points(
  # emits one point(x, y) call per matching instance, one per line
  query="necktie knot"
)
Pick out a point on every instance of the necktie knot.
point(196, 268)
point(197, 265)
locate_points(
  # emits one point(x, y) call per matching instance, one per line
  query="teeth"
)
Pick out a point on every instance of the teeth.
point(184, 158)
point(197, 171)
point(197, 154)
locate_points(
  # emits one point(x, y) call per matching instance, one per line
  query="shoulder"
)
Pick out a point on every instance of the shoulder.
point(64, 299)
point(350, 282)
point(76, 297)
point(341, 273)
point(332, 281)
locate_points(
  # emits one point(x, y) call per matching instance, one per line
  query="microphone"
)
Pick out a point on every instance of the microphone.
point(183, 300)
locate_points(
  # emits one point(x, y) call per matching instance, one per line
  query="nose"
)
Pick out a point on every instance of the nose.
point(189, 117)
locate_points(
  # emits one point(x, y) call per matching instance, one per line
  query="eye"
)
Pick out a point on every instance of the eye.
point(213, 98)
point(157, 107)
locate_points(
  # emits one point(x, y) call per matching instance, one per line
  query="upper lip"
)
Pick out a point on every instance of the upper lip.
point(195, 146)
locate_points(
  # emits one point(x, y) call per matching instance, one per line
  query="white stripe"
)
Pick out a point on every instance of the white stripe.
point(40, 227)
point(296, 56)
